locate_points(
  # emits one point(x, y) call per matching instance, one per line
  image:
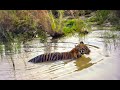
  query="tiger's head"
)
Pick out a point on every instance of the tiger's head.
point(82, 48)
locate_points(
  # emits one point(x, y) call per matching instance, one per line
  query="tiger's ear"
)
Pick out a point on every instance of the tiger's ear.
point(81, 42)
point(75, 46)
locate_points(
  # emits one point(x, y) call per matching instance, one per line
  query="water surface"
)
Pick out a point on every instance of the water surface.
point(102, 63)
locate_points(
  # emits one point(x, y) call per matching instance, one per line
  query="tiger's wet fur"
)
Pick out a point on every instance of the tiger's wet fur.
point(75, 53)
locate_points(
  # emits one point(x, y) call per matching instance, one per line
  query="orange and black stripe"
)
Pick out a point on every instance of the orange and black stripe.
point(52, 57)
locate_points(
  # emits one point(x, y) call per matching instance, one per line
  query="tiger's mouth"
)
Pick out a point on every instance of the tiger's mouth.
point(84, 52)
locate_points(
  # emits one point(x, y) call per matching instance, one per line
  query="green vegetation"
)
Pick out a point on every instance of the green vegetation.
point(18, 25)
point(75, 25)
point(65, 25)
point(100, 16)
point(24, 25)
point(56, 23)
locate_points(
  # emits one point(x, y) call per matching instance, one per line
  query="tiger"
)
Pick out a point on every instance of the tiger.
point(82, 48)
point(75, 53)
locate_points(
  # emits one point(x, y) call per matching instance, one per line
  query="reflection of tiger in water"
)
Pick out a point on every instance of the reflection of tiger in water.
point(75, 53)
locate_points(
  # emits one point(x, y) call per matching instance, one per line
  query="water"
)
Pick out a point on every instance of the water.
point(102, 63)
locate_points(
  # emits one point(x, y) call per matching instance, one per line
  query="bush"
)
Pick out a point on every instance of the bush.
point(100, 16)
point(75, 25)
point(18, 24)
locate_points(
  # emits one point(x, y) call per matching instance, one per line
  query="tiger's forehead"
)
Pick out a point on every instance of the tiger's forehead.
point(81, 45)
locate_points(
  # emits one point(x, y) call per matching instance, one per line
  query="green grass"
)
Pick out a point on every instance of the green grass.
point(99, 16)
point(75, 25)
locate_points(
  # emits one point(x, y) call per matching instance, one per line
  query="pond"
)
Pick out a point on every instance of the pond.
point(102, 63)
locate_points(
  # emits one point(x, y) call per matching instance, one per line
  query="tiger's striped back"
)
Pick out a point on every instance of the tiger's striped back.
point(51, 57)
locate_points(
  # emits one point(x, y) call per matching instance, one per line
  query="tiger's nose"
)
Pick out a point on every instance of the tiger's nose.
point(81, 51)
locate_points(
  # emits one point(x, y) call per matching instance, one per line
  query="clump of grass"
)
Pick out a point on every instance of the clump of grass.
point(75, 25)
point(100, 16)
point(18, 24)
point(56, 23)
point(69, 27)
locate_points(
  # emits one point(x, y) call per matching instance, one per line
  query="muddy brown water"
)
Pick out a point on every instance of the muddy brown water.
point(102, 63)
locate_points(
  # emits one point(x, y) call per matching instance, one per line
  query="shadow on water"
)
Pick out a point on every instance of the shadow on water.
point(82, 63)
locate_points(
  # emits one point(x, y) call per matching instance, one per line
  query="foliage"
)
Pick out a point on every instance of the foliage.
point(75, 25)
point(100, 16)
point(18, 24)
point(56, 23)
